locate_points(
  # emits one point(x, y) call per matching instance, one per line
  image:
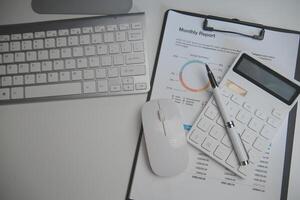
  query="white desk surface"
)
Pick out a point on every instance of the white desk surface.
point(83, 149)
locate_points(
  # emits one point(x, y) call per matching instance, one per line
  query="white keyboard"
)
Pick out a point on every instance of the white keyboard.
point(257, 128)
point(74, 58)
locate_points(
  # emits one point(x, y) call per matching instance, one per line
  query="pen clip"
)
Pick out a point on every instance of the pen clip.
point(259, 36)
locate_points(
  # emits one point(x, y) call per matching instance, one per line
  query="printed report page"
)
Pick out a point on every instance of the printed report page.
point(181, 76)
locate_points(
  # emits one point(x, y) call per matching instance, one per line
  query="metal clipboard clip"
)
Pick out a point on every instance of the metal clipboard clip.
point(259, 36)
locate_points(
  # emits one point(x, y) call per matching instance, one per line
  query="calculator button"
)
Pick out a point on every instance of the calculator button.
point(197, 137)
point(222, 152)
point(232, 160)
point(226, 93)
point(260, 114)
point(277, 113)
point(236, 99)
point(204, 124)
point(255, 125)
point(273, 122)
point(243, 117)
point(267, 132)
point(226, 141)
point(239, 127)
point(261, 144)
point(248, 107)
point(211, 112)
point(220, 122)
point(232, 110)
point(217, 133)
point(254, 155)
point(249, 137)
point(209, 144)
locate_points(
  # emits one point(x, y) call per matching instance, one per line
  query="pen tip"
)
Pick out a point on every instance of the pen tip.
point(207, 68)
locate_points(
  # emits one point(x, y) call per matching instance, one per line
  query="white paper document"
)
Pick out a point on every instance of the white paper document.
point(181, 76)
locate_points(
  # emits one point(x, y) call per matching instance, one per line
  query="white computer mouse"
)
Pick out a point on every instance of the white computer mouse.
point(165, 137)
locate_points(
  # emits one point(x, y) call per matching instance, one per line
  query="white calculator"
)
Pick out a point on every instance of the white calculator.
point(258, 99)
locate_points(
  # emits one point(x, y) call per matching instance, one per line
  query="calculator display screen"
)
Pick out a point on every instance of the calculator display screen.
point(267, 79)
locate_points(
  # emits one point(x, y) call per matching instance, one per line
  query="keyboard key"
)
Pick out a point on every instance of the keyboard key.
point(4, 47)
point(17, 93)
point(54, 53)
point(70, 64)
point(102, 85)
point(135, 35)
point(84, 39)
point(77, 51)
point(20, 57)
point(128, 87)
point(132, 70)
point(138, 46)
point(102, 49)
point(66, 53)
point(76, 75)
point(220, 121)
point(63, 32)
point(12, 69)
point(31, 55)
point(100, 73)
point(47, 66)
point(38, 44)
point(29, 79)
point(61, 42)
point(6, 81)
point(15, 46)
point(73, 40)
point(58, 64)
point(115, 88)
point(2, 69)
point(51, 33)
point(120, 36)
point(41, 78)
point(204, 125)
point(114, 48)
point(113, 72)
point(40, 34)
point(126, 47)
point(8, 58)
point(124, 27)
point(81, 62)
point(87, 30)
point(118, 59)
point(108, 37)
point(24, 68)
point(106, 61)
point(27, 35)
point(222, 152)
point(140, 86)
point(99, 28)
point(53, 77)
point(89, 87)
point(88, 74)
point(4, 94)
point(64, 76)
point(97, 38)
point(26, 45)
point(89, 50)
point(43, 55)
point(4, 38)
point(16, 37)
point(254, 155)
point(35, 67)
point(52, 90)
point(209, 144)
point(94, 61)
point(127, 80)
point(75, 31)
point(111, 28)
point(136, 25)
point(237, 99)
point(135, 58)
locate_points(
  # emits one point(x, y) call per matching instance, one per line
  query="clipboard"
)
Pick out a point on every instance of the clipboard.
point(258, 36)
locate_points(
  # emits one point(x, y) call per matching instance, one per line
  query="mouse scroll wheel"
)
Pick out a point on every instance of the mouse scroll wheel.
point(161, 115)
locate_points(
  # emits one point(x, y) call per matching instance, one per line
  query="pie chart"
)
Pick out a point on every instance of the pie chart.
point(193, 76)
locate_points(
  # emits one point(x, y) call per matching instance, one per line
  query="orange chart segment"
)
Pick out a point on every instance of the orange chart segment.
point(192, 76)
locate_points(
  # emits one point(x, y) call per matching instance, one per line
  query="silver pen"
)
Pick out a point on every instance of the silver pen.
point(235, 138)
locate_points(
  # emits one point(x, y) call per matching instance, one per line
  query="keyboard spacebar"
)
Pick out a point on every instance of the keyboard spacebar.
point(52, 90)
